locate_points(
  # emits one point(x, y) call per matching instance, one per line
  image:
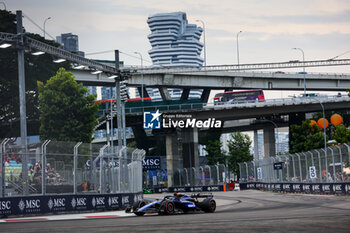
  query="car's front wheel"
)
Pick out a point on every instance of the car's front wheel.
point(137, 206)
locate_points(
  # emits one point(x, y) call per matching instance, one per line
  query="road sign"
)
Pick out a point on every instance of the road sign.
point(259, 171)
point(312, 171)
point(278, 166)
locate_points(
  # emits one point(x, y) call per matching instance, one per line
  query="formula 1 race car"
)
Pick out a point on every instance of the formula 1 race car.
point(178, 203)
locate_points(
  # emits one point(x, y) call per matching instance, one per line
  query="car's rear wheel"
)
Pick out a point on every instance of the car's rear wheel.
point(137, 206)
point(167, 207)
point(209, 205)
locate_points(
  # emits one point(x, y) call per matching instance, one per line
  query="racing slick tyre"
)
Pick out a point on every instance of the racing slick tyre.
point(167, 207)
point(208, 205)
point(137, 206)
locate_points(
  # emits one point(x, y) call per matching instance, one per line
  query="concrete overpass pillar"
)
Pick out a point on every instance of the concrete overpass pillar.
point(164, 93)
point(269, 141)
point(185, 93)
point(205, 95)
point(256, 145)
point(145, 93)
point(190, 153)
point(172, 156)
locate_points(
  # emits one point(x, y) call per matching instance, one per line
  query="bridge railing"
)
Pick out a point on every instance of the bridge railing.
point(236, 103)
point(313, 166)
point(70, 168)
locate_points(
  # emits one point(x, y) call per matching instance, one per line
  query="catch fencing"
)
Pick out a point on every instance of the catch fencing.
point(208, 175)
point(69, 168)
point(317, 166)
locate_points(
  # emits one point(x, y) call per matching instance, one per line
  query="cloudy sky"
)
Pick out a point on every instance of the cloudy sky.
point(270, 27)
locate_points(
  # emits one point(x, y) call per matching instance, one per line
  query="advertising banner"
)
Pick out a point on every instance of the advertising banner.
point(64, 203)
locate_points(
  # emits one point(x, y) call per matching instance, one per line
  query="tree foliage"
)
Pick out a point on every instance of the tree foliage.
point(306, 137)
point(211, 141)
point(66, 113)
point(341, 134)
point(37, 68)
point(238, 151)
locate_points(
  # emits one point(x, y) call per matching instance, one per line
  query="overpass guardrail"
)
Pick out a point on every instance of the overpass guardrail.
point(197, 104)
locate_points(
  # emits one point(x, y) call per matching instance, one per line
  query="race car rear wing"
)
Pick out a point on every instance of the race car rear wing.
point(205, 195)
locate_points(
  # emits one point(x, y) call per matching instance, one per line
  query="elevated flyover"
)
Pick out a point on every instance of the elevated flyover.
point(251, 109)
point(245, 76)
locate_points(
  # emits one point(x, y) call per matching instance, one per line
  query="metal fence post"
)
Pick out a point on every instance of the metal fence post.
point(75, 164)
point(341, 163)
point(326, 162)
point(333, 161)
point(254, 170)
point(319, 164)
point(2, 167)
point(287, 163)
point(294, 175)
point(43, 167)
point(246, 168)
point(348, 147)
point(306, 167)
point(300, 172)
point(193, 177)
point(240, 171)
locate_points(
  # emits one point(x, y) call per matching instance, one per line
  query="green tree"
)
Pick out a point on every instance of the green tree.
point(36, 68)
point(66, 113)
point(341, 134)
point(306, 137)
point(238, 151)
point(211, 141)
point(215, 153)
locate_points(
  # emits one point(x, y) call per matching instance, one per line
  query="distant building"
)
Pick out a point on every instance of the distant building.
point(70, 42)
point(174, 42)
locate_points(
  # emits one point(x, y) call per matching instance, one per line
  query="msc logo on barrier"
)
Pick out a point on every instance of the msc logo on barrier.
point(151, 120)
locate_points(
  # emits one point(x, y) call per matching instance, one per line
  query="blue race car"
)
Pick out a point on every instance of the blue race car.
point(177, 203)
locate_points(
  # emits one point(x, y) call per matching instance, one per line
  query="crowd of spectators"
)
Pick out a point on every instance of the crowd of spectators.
point(12, 157)
point(52, 177)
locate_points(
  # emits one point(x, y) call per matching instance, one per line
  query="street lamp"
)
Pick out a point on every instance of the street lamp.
point(302, 51)
point(238, 47)
point(141, 75)
point(44, 25)
point(205, 53)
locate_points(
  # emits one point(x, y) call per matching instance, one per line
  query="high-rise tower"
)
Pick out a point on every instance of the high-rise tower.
point(174, 42)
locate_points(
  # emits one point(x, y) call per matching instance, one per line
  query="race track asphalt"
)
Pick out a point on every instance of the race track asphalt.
point(241, 211)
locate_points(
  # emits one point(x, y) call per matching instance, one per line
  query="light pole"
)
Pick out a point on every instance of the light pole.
point(45, 24)
point(141, 75)
point(3, 4)
point(324, 128)
point(238, 47)
point(302, 51)
point(205, 51)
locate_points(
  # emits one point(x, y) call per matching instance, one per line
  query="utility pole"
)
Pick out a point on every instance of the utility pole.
point(22, 102)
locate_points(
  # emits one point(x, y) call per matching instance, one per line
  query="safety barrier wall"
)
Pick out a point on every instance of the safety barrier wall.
point(30, 205)
point(310, 188)
point(190, 189)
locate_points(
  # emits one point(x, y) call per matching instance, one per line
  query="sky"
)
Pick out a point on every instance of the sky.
point(270, 28)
